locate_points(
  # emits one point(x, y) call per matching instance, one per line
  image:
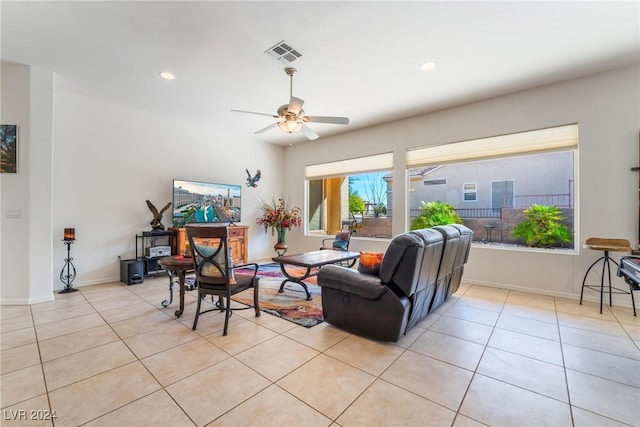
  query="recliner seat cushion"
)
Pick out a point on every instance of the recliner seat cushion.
point(351, 281)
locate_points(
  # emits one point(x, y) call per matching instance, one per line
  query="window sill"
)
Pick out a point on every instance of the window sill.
point(517, 248)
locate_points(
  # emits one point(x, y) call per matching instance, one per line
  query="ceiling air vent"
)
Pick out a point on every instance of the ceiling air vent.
point(283, 52)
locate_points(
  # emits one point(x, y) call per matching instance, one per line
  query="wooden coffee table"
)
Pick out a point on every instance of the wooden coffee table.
point(311, 261)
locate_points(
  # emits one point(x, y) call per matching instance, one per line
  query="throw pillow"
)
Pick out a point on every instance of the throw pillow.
point(370, 263)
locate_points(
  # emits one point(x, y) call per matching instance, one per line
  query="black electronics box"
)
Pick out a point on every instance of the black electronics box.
point(131, 271)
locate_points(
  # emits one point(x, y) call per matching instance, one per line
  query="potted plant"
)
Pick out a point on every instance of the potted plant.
point(280, 217)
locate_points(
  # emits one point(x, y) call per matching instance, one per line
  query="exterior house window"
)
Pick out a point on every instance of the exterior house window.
point(470, 191)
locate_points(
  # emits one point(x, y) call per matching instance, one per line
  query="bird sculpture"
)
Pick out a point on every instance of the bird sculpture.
point(156, 222)
point(252, 180)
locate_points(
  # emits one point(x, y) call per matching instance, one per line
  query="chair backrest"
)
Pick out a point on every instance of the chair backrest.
point(423, 293)
point(341, 241)
point(452, 243)
point(462, 256)
point(210, 248)
point(402, 262)
point(433, 247)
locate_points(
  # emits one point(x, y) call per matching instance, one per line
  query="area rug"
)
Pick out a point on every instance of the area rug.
point(273, 271)
point(292, 304)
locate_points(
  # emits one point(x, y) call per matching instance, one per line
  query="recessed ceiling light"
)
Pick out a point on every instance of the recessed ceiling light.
point(428, 66)
point(167, 75)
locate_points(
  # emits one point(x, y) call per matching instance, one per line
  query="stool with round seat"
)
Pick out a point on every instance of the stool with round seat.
point(606, 245)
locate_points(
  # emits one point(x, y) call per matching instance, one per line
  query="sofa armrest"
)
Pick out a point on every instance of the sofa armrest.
point(351, 282)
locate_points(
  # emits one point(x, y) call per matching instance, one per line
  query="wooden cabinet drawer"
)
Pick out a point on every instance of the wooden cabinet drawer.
point(236, 232)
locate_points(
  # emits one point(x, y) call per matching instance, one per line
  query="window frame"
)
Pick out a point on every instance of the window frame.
point(382, 162)
point(474, 192)
point(558, 139)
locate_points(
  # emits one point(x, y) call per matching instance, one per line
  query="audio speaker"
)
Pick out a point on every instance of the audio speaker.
point(131, 271)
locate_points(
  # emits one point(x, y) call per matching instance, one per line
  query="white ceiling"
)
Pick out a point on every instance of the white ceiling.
point(360, 59)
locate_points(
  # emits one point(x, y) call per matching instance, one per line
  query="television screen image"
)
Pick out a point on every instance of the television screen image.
point(205, 202)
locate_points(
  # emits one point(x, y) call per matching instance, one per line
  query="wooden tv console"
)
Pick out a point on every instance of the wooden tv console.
point(238, 242)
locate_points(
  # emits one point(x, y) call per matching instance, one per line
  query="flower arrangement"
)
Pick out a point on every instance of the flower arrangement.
point(280, 217)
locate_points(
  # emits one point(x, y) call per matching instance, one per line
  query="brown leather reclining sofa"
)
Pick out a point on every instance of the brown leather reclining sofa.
point(419, 271)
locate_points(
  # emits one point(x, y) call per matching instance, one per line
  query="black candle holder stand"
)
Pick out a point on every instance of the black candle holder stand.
point(68, 273)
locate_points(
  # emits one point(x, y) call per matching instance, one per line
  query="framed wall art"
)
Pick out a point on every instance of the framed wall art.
point(8, 149)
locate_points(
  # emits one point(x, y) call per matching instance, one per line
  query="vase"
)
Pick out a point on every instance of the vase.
point(281, 245)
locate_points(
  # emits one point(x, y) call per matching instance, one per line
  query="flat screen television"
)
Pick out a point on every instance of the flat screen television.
point(205, 202)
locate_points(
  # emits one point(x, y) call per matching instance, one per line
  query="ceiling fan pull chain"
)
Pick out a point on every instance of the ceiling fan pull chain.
point(290, 85)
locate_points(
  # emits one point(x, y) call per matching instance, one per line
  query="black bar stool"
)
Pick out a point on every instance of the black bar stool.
point(606, 245)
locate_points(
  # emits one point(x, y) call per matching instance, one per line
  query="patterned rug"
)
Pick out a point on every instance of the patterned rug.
point(292, 304)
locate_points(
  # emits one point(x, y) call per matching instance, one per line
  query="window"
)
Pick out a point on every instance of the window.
point(502, 194)
point(502, 176)
point(355, 191)
point(470, 192)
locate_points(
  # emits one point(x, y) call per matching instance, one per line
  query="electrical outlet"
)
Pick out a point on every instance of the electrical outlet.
point(14, 213)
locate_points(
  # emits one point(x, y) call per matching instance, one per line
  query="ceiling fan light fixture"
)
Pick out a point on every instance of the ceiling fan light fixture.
point(290, 126)
point(292, 116)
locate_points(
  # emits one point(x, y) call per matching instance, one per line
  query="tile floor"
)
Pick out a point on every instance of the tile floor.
point(110, 355)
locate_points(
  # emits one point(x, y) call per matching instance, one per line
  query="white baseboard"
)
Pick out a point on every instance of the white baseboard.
point(589, 296)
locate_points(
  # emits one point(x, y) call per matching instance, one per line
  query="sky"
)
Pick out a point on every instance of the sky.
point(362, 185)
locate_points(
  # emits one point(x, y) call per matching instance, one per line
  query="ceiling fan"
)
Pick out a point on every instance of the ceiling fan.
point(292, 116)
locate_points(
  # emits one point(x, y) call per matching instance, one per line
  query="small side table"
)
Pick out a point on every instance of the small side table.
point(176, 265)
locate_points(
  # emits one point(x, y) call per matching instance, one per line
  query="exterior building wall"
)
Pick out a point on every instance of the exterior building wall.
point(375, 227)
point(541, 174)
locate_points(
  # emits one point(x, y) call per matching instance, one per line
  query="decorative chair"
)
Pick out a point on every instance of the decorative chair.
point(214, 268)
point(340, 242)
point(606, 245)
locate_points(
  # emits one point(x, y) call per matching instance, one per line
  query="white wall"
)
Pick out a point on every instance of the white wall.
point(26, 241)
point(607, 109)
point(106, 161)
point(111, 158)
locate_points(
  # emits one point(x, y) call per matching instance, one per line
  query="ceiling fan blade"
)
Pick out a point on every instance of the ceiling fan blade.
point(253, 112)
point(295, 105)
point(267, 128)
point(325, 119)
point(306, 131)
